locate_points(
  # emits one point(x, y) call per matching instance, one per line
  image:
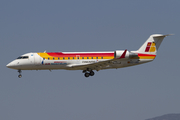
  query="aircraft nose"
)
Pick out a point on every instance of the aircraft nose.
point(9, 65)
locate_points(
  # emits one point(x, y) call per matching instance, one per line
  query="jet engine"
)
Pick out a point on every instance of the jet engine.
point(119, 53)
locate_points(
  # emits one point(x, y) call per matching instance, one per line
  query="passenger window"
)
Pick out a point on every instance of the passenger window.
point(63, 58)
point(68, 58)
point(87, 57)
point(58, 58)
point(101, 57)
point(73, 57)
point(48, 58)
point(96, 57)
point(53, 58)
point(92, 57)
point(82, 57)
point(43, 58)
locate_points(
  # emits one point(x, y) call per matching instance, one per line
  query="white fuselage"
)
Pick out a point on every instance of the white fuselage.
point(32, 61)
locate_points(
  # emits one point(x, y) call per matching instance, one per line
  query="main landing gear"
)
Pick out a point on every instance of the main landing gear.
point(19, 73)
point(88, 73)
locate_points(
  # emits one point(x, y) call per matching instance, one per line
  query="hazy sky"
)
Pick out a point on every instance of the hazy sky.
point(134, 93)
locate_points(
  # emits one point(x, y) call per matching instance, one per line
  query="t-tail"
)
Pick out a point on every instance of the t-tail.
point(152, 44)
point(149, 49)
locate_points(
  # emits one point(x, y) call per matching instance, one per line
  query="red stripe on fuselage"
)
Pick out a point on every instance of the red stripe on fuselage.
point(139, 54)
point(60, 54)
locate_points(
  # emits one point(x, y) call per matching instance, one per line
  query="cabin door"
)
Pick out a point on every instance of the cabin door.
point(37, 59)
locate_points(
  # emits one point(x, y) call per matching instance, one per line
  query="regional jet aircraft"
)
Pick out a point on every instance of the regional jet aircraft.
point(88, 61)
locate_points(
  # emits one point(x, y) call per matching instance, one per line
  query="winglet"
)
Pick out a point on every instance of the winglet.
point(123, 55)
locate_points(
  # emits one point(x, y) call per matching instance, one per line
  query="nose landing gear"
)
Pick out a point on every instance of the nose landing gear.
point(19, 73)
point(19, 76)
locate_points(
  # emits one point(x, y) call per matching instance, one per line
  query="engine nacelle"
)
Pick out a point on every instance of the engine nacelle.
point(119, 53)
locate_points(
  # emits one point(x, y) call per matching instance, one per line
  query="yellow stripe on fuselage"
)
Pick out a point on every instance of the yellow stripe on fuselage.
point(48, 57)
point(147, 57)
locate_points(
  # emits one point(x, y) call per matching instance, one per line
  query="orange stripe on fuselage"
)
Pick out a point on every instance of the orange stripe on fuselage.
point(146, 56)
point(81, 54)
point(71, 56)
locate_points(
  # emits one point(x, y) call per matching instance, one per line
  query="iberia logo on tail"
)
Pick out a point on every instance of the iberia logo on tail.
point(151, 47)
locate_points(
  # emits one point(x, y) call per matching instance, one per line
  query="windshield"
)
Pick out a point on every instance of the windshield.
point(23, 57)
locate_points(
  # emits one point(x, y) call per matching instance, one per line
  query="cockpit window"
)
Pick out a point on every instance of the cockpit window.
point(23, 57)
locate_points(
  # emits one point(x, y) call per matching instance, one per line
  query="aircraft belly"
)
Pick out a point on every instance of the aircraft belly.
point(128, 63)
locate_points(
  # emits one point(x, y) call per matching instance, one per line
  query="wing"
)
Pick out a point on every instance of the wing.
point(99, 65)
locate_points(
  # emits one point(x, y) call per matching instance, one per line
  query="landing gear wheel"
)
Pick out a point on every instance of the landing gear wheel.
point(86, 74)
point(19, 71)
point(20, 76)
point(91, 73)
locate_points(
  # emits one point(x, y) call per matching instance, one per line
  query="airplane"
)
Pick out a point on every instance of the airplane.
point(88, 61)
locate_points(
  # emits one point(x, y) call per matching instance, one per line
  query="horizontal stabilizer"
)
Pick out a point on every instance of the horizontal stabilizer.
point(160, 35)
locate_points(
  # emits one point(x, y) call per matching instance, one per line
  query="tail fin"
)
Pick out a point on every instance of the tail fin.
point(152, 44)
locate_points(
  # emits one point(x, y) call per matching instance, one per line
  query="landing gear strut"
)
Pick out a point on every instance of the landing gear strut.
point(88, 73)
point(19, 73)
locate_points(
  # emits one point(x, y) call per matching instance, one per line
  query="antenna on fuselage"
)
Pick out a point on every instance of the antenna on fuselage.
point(45, 51)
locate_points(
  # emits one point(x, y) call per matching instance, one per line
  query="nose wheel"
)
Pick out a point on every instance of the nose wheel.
point(20, 76)
point(19, 71)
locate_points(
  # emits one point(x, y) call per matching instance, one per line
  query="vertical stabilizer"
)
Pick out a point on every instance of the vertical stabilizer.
point(152, 44)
